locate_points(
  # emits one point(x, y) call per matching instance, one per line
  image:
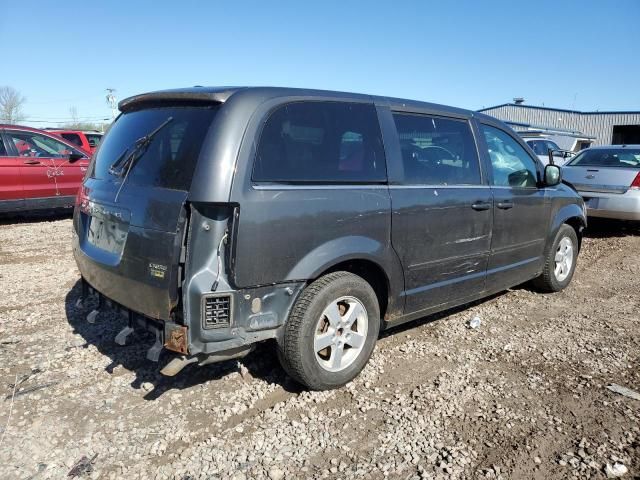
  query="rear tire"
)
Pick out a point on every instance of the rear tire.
point(331, 331)
point(560, 261)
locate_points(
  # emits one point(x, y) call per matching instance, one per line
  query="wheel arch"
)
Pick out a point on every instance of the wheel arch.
point(371, 272)
point(374, 261)
point(578, 225)
point(572, 215)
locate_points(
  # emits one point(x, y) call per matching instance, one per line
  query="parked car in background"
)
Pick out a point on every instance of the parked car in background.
point(566, 140)
point(222, 217)
point(38, 170)
point(87, 140)
point(541, 147)
point(608, 178)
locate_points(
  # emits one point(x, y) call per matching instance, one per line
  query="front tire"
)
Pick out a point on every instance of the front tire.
point(560, 261)
point(331, 331)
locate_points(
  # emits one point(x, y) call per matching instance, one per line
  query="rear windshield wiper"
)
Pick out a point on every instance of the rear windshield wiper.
point(113, 169)
point(125, 163)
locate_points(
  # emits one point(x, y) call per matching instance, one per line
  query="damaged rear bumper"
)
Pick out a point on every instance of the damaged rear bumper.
point(169, 335)
point(251, 316)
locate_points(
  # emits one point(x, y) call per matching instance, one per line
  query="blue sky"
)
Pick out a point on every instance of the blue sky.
point(567, 54)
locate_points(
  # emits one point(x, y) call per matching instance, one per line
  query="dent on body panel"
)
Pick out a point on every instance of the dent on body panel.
point(463, 268)
point(448, 227)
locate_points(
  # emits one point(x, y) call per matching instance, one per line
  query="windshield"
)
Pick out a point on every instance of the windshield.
point(608, 157)
point(170, 158)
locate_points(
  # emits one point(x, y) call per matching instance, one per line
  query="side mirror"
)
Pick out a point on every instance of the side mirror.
point(74, 157)
point(552, 175)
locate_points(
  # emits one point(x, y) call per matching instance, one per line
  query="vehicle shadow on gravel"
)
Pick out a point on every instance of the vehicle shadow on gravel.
point(606, 228)
point(262, 363)
point(34, 217)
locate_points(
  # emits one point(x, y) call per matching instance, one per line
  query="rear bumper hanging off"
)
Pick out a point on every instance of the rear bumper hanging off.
point(168, 335)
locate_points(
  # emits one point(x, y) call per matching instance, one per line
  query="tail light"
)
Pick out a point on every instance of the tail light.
point(635, 185)
point(82, 198)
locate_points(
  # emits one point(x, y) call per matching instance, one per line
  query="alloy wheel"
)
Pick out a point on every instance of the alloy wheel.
point(563, 259)
point(340, 333)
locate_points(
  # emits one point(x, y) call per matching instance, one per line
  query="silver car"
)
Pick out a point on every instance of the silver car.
point(608, 178)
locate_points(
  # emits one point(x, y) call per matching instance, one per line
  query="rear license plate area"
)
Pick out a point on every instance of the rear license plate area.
point(106, 234)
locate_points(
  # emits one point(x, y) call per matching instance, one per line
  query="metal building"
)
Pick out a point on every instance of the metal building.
point(605, 127)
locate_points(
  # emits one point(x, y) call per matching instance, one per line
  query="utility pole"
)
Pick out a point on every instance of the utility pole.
point(112, 102)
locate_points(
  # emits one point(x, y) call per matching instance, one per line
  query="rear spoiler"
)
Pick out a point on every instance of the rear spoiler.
point(185, 96)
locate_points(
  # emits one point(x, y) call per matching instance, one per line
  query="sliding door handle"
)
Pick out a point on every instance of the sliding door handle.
point(505, 205)
point(481, 206)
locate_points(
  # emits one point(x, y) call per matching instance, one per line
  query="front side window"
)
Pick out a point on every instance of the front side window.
point(29, 144)
point(3, 150)
point(321, 142)
point(437, 151)
point(511, 164)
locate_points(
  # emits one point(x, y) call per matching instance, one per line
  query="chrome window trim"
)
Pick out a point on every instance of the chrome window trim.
point(319, 187)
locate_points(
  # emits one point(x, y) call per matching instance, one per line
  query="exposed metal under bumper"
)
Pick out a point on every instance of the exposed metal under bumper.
point(167, 334)
point(176, 365)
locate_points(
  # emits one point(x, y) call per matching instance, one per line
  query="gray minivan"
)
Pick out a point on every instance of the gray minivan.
point(223, 217)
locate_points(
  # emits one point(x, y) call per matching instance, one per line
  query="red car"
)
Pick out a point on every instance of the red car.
point(38, 170)
point(88, 141)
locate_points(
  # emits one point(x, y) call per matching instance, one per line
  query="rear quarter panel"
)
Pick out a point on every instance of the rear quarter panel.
point(295, 232)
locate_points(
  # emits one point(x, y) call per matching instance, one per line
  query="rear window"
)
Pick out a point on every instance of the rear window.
point(171, 156)
point(608, 157)
point(321, 142)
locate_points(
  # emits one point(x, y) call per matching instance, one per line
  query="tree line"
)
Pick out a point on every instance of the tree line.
point(12, 111)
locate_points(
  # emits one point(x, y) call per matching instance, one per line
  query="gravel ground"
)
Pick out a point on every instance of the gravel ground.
point(522, 396)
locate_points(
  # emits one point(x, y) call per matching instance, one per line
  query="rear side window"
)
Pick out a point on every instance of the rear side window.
point(321, 142)
point(437, 151)
point(93, 139)
point(73, 138)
